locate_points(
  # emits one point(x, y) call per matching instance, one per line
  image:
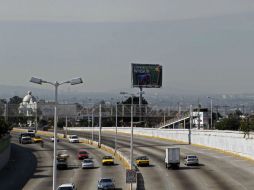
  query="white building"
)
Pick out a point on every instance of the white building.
point(201, 118)
point(28, 106)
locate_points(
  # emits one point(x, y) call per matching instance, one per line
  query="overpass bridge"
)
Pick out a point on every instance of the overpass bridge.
point(176, 123)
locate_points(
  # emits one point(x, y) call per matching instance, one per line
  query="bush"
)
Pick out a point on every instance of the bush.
point(4, 127)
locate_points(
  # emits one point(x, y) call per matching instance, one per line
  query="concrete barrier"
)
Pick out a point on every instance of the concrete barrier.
point(5, 151)
point(228, 141)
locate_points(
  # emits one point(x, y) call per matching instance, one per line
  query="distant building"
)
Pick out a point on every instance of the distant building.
point(201, 118)
point(28, 106)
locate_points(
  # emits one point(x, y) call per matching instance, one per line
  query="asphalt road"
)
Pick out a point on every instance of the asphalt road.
point(216, 170)
point(30, 167)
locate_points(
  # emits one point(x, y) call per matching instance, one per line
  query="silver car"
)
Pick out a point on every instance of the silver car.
point(106, 183)
point(26, 140)
point(67, 186)
point(191, 160)
point(87, 163)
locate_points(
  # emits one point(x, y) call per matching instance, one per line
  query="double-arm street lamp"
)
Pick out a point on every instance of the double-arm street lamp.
point(56, 85)
point(131, 143)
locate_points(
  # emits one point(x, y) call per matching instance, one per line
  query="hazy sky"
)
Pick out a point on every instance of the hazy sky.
point(205, 46)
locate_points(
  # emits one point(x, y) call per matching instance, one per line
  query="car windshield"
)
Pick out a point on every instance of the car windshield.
point(87, 161)
point(26, 138)
point(82, 152)
point(106, 180)
point(37, 137)
point(107, 157)
point(192, 157)
point(143, 158)
point(65, 188)
point(74, 137)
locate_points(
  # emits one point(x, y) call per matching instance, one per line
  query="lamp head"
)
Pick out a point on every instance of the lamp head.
point(76, 81)
point(36, 80)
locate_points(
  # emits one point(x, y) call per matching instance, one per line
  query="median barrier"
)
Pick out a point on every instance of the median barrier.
point(5, 150)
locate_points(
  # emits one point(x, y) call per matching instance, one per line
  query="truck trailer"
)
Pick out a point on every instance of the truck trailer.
point(172, 158)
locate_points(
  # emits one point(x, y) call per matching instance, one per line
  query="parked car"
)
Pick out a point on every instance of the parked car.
point(67, 186)
point(26, 140)
point(107, 160)
point(191, 160)
point(73, 139)
point(106, 183)
point(87, 163)
point(142, 161)
point(82, 154)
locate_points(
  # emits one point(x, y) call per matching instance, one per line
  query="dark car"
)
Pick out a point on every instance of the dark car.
point(106, 183)
point(61, 164)
point(82, 154)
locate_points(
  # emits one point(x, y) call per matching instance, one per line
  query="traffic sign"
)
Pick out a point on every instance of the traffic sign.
point(131, 176)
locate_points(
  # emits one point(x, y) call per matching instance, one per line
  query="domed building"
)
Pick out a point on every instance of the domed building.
point(28, 106)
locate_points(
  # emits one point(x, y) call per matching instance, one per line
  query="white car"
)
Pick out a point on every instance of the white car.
point(191, 160)
point(73, 139)
point(52, 139)
point(87, 163)
point(67, 186)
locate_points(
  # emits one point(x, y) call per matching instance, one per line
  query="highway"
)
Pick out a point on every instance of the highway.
point(216, 170)
point(30, 167)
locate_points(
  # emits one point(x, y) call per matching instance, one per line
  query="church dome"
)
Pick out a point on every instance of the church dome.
point(29, 98)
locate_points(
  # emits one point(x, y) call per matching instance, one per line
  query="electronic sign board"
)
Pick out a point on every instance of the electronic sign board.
point(146, 75)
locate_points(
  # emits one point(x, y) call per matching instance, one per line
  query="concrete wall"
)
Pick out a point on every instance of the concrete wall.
point(230, 141)
point(5, 155)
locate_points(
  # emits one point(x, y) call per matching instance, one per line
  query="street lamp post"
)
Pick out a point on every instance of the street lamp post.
point(56, 85)
point(131, 143)
point(191, 122)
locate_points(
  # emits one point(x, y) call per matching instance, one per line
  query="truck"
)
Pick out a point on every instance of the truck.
point(172, 158)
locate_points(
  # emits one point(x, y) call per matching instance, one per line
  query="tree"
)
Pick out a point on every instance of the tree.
point(245, 126)
point(135, 100)
point(2, 106)
point(232, 122)
point(4, 127)
point(15, 100)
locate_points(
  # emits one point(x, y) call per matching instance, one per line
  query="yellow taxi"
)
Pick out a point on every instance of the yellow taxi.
point(107, 160)
point(142, 161)
point(36, 139)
